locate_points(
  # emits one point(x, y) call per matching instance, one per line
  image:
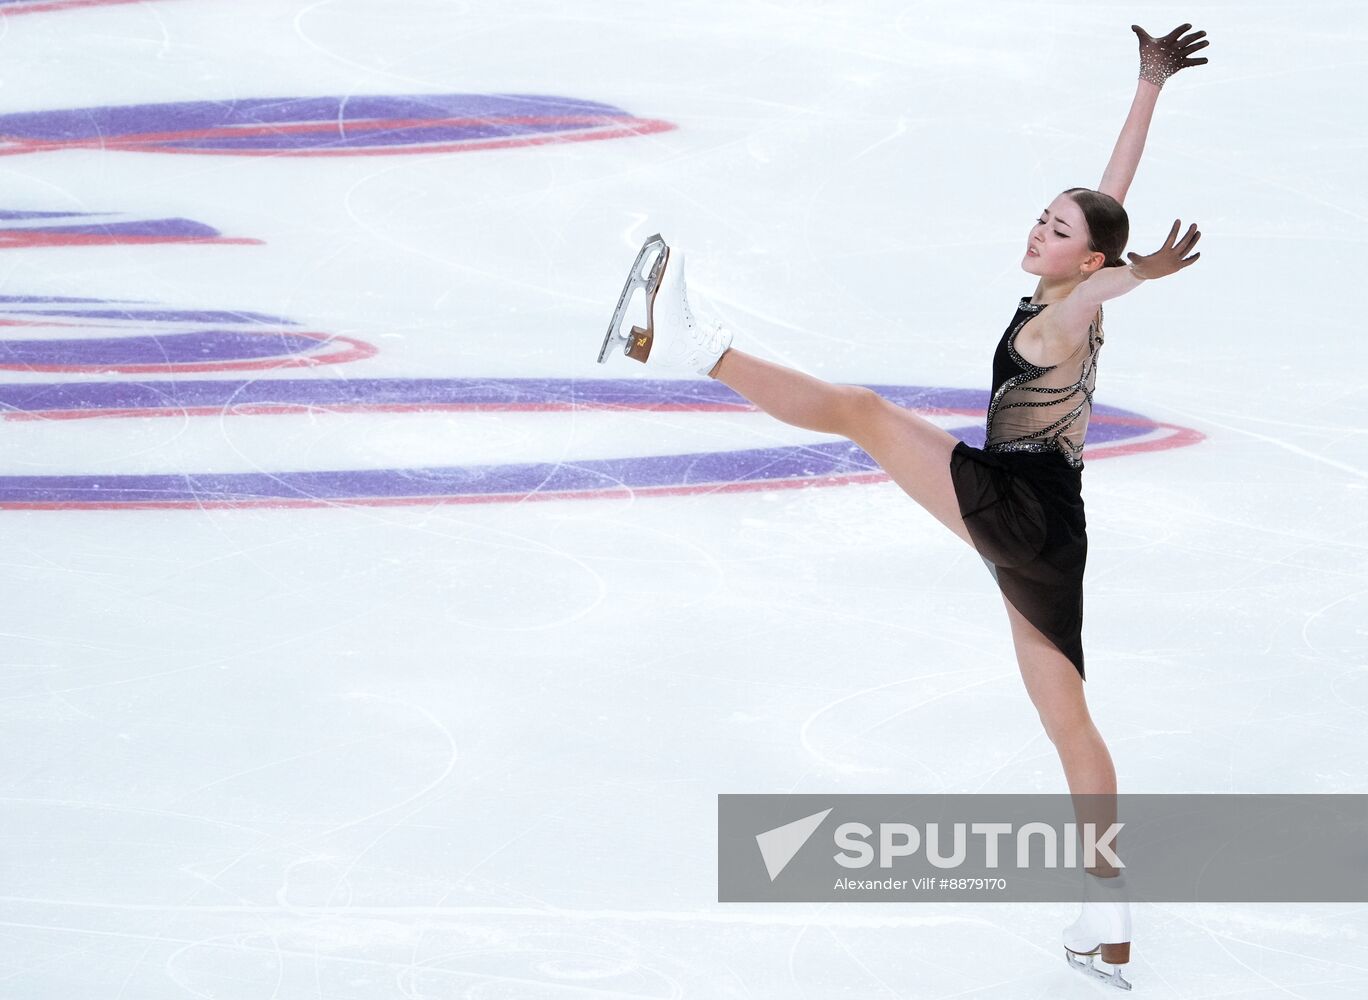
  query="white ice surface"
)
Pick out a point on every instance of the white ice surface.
point(474, 751)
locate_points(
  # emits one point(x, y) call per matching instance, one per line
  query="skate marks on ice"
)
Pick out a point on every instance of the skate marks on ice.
point(529, 950)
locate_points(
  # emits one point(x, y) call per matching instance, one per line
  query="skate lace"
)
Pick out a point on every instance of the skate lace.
point(706, 334)
point(712, 334)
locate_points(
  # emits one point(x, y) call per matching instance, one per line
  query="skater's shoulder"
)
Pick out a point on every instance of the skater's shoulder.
point(1068, 326)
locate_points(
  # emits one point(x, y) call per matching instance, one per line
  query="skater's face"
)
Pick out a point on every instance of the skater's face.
point(1058, 244)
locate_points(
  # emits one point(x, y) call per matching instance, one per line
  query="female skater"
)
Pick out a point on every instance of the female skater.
point(1017, 500)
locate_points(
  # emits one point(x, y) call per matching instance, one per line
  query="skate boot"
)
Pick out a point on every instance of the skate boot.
point(676, 335)
point(1102, 930)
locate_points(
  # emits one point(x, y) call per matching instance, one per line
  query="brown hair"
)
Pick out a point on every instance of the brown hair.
point(1108, 223)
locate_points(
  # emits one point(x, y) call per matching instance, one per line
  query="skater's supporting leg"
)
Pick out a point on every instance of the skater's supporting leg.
point(1056, 691)
point(914, 452)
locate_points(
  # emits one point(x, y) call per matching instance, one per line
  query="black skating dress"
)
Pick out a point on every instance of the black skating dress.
point(1021, 494)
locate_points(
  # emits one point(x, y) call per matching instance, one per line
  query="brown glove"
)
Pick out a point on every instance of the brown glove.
point(1160, 58)
point(1167, 259)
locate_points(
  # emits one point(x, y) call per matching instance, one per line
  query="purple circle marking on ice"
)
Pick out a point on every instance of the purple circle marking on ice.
point(69, 229)
point(325, 125)
point(222, 340)
point(157, 349)
point(823, 463)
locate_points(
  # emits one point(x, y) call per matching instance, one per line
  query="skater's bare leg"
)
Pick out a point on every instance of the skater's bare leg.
point(914, 452)
point(1056, 690)
point(790, 395)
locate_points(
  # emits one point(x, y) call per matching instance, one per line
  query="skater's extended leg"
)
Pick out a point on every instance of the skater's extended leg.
point(914, 452)
point(790, 395)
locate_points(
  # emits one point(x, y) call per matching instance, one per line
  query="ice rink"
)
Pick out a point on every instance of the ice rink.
point(365, 638)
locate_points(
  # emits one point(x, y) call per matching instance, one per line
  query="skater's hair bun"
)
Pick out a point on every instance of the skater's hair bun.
point(1108, 223)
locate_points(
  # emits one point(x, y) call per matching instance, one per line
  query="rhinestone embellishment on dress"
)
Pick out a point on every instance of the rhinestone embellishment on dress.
point(1053, 437)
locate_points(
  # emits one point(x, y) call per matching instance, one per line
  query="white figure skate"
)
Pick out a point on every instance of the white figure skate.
point(674, 337)
point(1103, 929)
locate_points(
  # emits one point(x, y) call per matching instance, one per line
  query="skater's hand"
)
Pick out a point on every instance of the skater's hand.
point(1160, 58)
point(1169, 258)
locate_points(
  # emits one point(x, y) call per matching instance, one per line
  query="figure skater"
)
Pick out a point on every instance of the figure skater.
point(1017, 500)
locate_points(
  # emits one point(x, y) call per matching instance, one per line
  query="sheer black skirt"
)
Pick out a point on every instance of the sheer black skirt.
point(1024, 511)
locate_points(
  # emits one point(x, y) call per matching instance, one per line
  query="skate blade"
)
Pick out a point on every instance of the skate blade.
point(1112, 978)
point(637, 343)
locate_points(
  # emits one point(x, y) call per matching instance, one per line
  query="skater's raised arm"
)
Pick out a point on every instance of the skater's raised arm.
point(1160, 58)
point(1110, 282)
